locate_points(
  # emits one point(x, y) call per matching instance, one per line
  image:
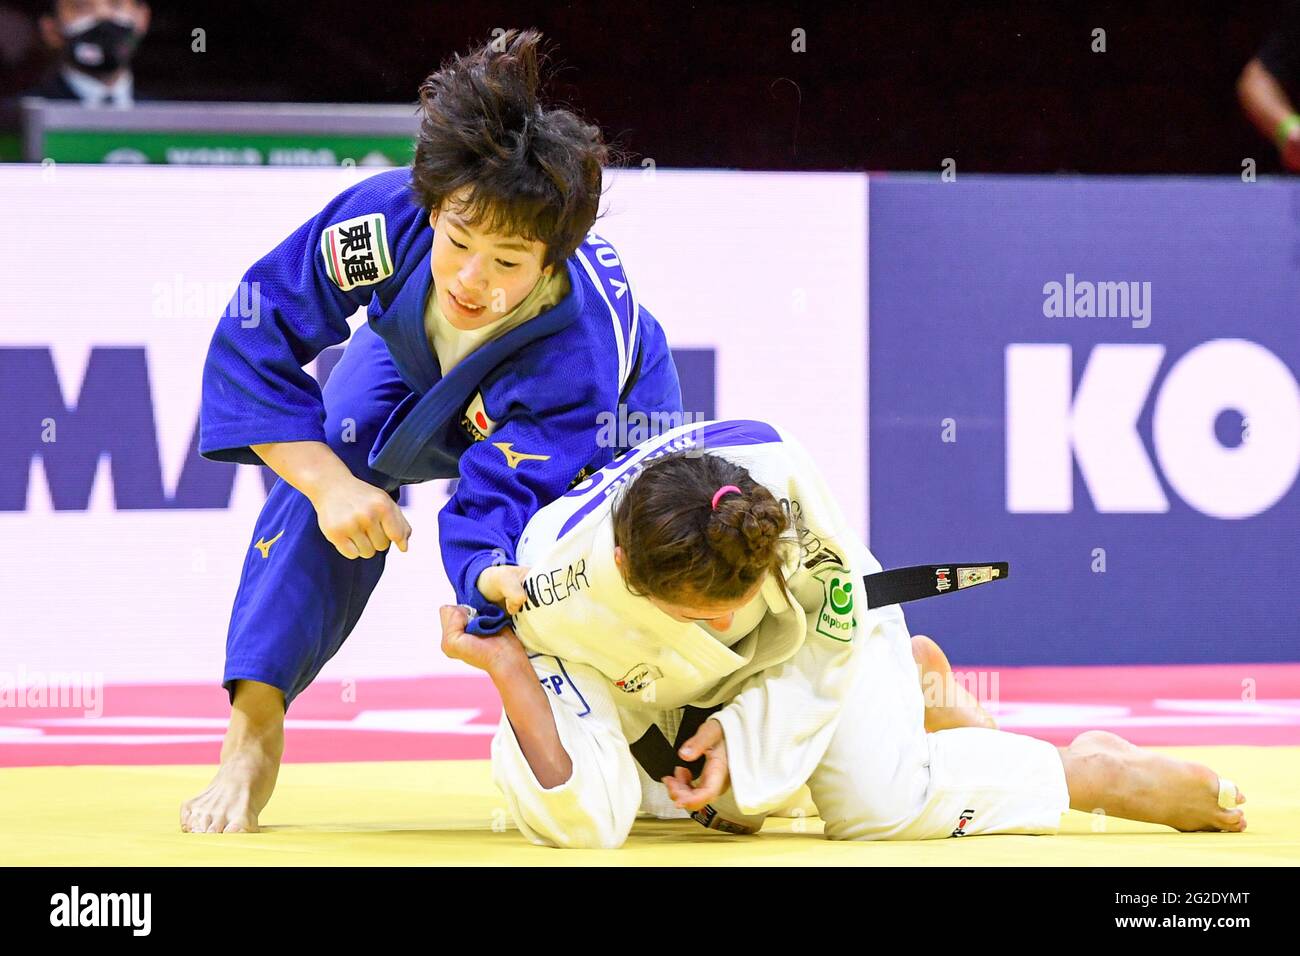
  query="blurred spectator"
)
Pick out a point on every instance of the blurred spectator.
point(1263, 88)
point(95, 40)
point(17, 38)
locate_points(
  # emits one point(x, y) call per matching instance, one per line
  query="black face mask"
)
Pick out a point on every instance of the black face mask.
point(105, 46)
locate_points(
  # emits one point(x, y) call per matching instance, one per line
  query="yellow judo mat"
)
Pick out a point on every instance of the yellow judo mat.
point(449, 813)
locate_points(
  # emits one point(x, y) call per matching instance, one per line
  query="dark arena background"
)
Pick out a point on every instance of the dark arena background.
point(1021, 277)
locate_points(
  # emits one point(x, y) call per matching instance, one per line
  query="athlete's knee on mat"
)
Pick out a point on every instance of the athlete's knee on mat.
point(595, 832)
point(860, 812)
point(597, 838)
point(856, 825)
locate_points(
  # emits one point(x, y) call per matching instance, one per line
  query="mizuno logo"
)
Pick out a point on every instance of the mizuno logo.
point(261, 544)
point(513, 458)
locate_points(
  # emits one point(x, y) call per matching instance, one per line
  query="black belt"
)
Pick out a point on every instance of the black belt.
point(660, 759)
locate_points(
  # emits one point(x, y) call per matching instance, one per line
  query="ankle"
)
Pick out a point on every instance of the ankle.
point(263, 740)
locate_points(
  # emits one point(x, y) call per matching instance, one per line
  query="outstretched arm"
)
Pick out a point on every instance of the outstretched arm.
point(524, 701)
point(560, 756)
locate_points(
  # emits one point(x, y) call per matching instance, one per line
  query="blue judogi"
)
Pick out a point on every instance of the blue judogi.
point(390, 414)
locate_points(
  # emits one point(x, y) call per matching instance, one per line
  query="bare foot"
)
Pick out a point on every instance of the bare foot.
point(237, 794)
point(250, 762)
point(1127, 781)
point(1189, 800)
point(948, 704)
point(1203, 812)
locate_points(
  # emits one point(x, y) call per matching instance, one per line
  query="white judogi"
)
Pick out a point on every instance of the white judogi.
point(823, 692)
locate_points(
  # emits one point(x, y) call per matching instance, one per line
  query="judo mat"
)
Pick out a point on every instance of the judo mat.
point(375, 776)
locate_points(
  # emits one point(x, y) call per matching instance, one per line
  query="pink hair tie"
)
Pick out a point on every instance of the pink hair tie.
point(722, 491)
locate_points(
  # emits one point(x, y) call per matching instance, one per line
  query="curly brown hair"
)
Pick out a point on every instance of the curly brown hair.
point(678, 548)
point(532, 172)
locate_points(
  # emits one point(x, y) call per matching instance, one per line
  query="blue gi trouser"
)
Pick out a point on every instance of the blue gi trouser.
point(298, 601)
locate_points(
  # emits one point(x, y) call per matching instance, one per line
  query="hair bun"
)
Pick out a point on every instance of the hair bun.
point(745, 529)
point(759, 528)
point(683, 539)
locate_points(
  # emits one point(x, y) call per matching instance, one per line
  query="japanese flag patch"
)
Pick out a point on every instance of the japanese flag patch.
point(475, 421)
point(356, 251)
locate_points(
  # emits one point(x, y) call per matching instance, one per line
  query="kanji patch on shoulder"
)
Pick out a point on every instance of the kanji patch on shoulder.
point(356, 251)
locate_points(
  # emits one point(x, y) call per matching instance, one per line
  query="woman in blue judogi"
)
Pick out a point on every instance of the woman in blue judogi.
point(499, 331)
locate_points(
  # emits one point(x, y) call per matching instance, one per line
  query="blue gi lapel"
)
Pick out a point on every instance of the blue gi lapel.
point(401, 326)
point(446, 395)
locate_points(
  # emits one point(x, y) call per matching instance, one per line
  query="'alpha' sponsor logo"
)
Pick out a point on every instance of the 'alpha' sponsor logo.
point(835, 619)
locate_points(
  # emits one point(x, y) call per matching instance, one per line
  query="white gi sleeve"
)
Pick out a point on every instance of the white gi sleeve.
point(596, 806)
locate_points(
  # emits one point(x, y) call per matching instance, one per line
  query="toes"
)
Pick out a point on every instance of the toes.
point(1229, 795)
point(1232, 821)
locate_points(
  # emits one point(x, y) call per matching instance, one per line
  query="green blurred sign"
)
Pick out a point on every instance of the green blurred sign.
point(225, 149)
point(11, 148)
point(201, 134)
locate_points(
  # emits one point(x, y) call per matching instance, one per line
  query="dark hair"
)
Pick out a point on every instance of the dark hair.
point(677, 547)
point(532, 172)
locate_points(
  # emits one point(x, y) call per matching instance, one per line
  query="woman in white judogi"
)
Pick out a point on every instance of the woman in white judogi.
point(710, 568)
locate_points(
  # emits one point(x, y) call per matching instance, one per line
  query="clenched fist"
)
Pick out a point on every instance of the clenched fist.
point(496, 653)
point(359, 519)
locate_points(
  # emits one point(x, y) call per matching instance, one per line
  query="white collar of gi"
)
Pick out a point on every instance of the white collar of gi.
point(693, 643)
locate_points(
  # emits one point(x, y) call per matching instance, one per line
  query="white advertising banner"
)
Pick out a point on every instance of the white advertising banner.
point(134, 264)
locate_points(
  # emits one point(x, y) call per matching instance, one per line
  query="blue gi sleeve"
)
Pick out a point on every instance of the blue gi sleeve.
point(527, 462)
point(294, 303)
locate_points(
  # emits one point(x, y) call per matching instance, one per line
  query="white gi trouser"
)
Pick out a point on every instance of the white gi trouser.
point(884, 778)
